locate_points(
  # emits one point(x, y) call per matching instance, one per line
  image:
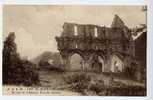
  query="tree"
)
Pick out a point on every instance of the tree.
point(15, 70)
point(9, 54)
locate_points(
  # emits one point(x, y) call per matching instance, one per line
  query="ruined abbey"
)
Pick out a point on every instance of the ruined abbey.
point(102, 49)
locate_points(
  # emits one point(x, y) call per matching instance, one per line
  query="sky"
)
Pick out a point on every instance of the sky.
point(36, 26)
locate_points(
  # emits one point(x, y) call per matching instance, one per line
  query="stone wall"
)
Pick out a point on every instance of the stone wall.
point(87, 39)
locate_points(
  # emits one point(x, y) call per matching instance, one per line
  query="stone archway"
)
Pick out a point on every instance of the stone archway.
point(101, 60)
point(97, 63)
point(76, 62)
point(116, 64)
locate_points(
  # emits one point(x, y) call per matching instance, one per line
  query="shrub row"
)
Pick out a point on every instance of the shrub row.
point(85, 84)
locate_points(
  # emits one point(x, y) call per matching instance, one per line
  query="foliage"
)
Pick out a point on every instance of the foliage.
point(43, 63)
point(87, 85)
point(15, 70)
point(125, 91)
point(97, 87)
point(52, 67)
point(78, 81)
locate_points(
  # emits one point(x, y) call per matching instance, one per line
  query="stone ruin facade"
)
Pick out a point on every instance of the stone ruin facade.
point(92, 42)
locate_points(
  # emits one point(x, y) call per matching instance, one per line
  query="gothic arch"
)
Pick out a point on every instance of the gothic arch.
point(76, 61)
point(97, 58)
point(71, 53)
point(120, 55)
point(116, 62)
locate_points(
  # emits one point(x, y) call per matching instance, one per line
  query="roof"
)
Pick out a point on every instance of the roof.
point(139, 34)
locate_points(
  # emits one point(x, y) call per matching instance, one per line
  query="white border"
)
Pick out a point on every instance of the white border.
point(92, 2)
point(87, 2)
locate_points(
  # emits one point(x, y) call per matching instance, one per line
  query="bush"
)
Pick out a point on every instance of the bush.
point(78, 81)
point(117, 89)
point(87, 85)
point(126, 91)
point(97, 87)
point(31, 77)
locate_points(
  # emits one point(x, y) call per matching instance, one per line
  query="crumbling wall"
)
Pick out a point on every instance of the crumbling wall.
point(68, 29)
point(82, 30)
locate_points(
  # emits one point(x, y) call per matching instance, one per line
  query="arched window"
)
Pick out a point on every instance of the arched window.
point(76, 46)
point(95, 30)
point(75, 30)
point(117, 64)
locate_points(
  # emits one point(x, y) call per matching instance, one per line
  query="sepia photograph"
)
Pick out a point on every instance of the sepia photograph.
point(74, 50)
